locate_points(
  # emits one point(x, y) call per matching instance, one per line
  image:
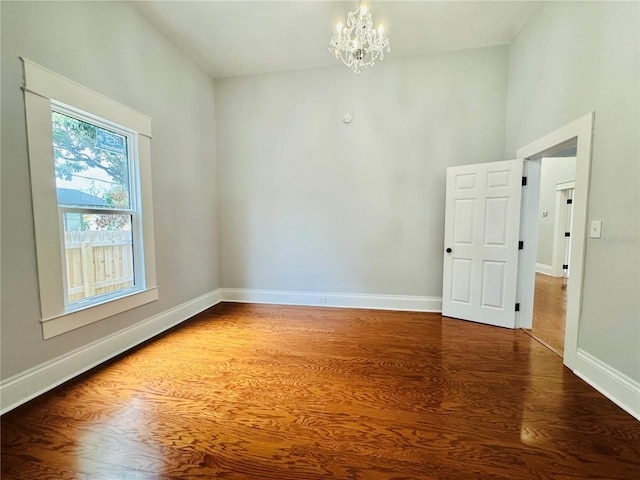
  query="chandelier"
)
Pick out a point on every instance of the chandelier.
point(358, 44)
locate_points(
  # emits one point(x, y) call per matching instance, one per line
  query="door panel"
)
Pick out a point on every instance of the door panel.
point(498, 178)
point(493, 284)
point(464, 213)
point(466, 180)
point(495, 225)
point(482, 220)
point(461, 278)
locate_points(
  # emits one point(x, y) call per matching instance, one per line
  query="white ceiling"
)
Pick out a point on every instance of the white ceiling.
point(229, 38)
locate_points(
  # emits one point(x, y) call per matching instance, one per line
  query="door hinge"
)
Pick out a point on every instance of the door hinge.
point(567, 234)
point(520, 245)
point(517, 307)
point(565, 267)
point(524, 181)
point(569, 201)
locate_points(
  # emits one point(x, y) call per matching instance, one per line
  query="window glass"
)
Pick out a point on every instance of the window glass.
point(98, 255)
point(91, 164)
point(92, 180)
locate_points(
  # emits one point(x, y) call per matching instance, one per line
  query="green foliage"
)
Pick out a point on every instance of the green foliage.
point(116, 197)
point(112, 222)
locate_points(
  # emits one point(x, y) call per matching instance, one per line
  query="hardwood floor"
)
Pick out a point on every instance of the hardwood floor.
point(549, 311)
point(266, 392)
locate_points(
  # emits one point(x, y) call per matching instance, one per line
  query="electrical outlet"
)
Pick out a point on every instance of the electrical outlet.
point(322, 300)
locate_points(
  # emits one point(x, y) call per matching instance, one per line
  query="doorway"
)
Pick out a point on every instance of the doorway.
point(575, 135)
point(556, 188)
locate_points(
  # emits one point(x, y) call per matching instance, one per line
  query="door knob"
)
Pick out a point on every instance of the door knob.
point(448, 250)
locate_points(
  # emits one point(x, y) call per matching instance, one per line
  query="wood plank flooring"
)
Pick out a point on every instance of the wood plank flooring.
point(549, 311)
point(298, 393)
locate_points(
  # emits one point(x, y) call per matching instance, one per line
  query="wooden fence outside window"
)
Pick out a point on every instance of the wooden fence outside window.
point(98, 262)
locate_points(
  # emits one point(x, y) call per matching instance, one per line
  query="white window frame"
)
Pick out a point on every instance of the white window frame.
point(44, 89)
point(133, 210)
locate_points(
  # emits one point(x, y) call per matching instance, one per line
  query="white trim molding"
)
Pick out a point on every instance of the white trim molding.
point(48, 84)
point(70, 321)
point(341, 300)
point(617, 387)
point(19, 389)
point(27, 385)
point(46, 91)
point(562, 222)
point(544, 269)
point(582, 131)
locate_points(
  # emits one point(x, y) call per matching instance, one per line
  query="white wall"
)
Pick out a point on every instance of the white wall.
point(309, 203)
point(553, 171)
point(108, 47)
point(569, 59)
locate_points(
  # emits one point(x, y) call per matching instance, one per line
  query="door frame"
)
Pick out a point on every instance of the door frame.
point(563, 220)
point(581, 131)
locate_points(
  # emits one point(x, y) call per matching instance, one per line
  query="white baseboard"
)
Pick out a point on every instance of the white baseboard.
point(617, 387)
point(16, 390)
point(322, 299)
point(544, 269)
point(21, 388)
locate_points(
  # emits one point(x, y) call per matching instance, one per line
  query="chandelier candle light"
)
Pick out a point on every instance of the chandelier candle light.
point(358, 44)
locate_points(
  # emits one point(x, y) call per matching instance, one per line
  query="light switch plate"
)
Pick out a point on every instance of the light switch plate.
point(596, 229)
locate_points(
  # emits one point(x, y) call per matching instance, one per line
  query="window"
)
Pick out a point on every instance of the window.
point(96, 189)
point(90, 179)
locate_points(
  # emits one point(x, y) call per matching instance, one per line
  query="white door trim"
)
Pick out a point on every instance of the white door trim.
point(565, 185)
point(582, 130)
point(562, 220)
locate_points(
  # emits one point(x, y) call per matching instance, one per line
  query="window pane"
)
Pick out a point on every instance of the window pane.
point(99, 254)
point(91, 164)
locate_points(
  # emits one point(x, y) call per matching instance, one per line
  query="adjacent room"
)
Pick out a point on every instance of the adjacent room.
point(320, 239)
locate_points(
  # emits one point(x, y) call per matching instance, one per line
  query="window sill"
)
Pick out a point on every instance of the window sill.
point(66, 322)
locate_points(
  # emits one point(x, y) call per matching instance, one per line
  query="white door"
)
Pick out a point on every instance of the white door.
point(482, 221)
